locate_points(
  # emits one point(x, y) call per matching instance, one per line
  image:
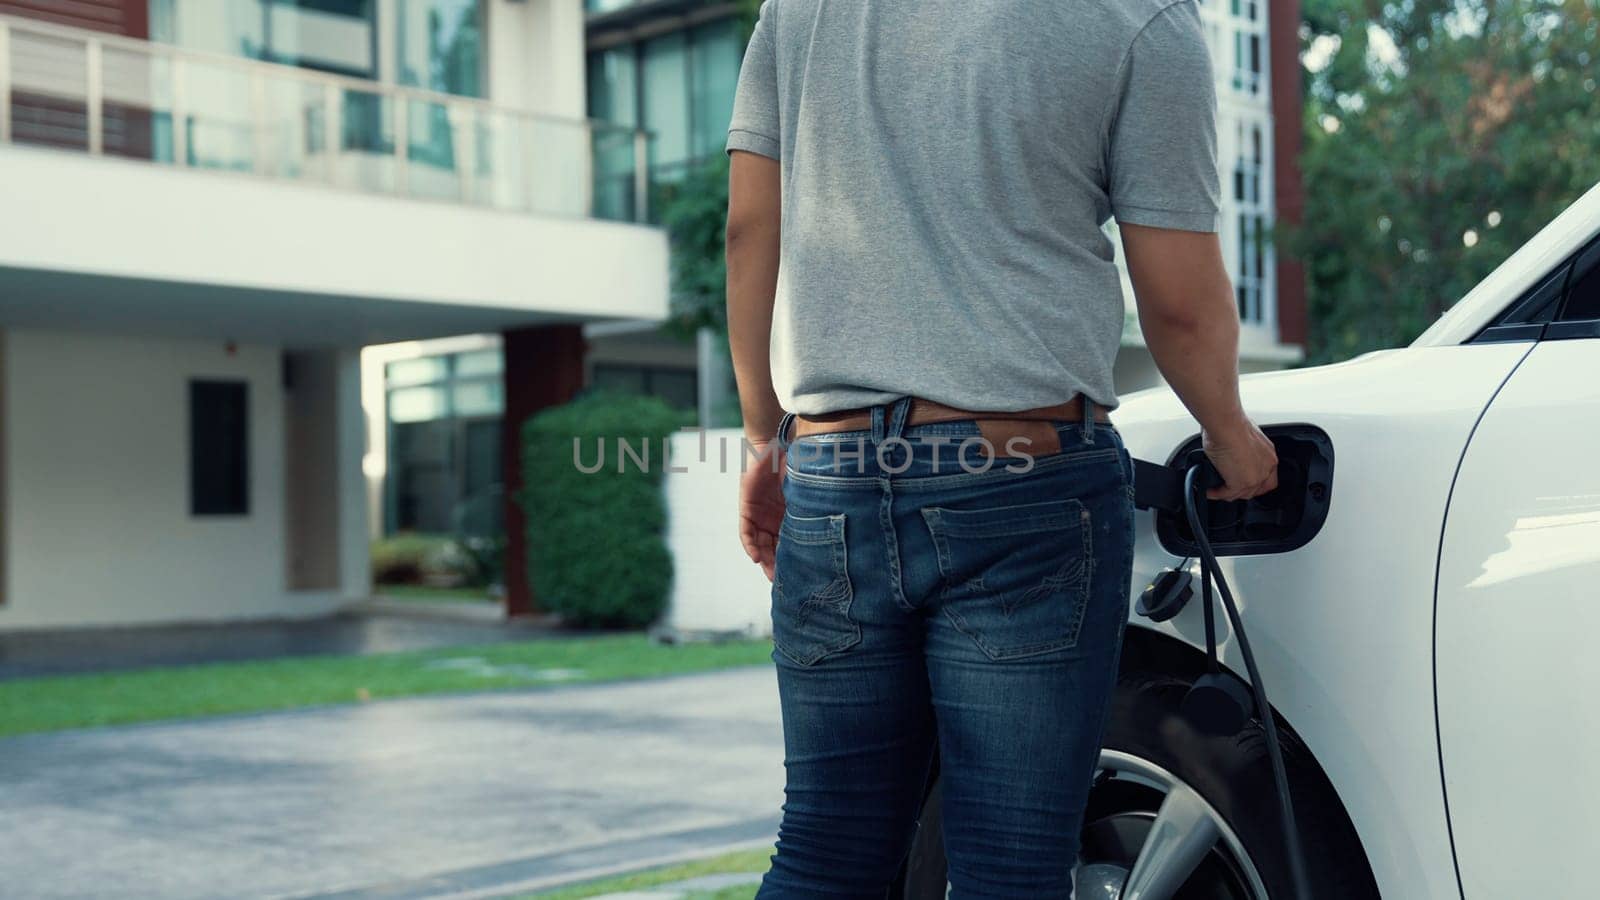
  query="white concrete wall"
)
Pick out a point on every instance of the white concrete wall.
point(83, 215)
point(536, 53)
point(97, 499)
point(715, 587)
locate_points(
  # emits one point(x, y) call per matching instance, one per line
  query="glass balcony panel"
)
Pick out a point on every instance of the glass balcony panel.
point(366, 158)
point(613, 155)
point(293, 124)
point(215, 116)
point(136, 103)
point(431, 151)
point(167, 104)
point(561, 165)
point(500, 175)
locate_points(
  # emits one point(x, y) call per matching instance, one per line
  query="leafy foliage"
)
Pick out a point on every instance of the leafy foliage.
point(597, 552)
point(749, 11)
point(695, 214)
point(1440, 135)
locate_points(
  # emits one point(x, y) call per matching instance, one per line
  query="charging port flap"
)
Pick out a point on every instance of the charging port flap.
point(1283, 520)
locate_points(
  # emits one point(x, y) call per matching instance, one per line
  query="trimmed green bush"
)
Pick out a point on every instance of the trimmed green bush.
point(596, 543)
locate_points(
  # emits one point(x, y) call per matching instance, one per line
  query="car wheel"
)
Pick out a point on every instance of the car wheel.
point(1194, 816)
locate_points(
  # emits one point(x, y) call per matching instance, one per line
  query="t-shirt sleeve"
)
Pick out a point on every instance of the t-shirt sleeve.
point(1162, 156)
point(755, 106)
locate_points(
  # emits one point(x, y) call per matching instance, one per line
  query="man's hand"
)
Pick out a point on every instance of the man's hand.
point(1187, 313)
point(761, 507)
point(1245, 458)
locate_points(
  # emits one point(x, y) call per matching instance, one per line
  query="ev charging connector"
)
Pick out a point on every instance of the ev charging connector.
point(1219, 702)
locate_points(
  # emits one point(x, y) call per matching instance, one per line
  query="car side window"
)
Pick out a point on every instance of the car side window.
point(1539, 304)
point(1525, 320)
point(1563, 305)
point(1583, 290)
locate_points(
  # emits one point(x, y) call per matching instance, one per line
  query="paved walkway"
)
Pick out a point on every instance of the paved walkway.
point(465, 796)
point(28, 653)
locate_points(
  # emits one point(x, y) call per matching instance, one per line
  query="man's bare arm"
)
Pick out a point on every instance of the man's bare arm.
point(755, 212)
point(1187, 313)
point(753, 239)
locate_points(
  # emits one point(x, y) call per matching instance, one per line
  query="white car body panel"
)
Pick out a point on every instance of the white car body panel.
point(1519, 607)
point(1342, 628)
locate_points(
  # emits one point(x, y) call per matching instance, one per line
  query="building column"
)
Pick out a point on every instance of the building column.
point(1283, 25)
point(5, 510)
point(543, 367)
point(355, 541)
point(326, 541)
point(717, 392)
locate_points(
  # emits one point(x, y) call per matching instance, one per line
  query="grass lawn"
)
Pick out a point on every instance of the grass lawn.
point(72, 701)
point(743, 861)
point(423, 593)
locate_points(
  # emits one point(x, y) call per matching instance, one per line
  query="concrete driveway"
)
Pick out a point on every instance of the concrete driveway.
point(458, 796)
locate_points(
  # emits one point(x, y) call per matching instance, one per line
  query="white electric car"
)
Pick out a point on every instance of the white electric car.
point(1430, 650)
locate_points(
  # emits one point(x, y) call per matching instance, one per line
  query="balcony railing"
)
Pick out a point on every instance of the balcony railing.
point(106, 95)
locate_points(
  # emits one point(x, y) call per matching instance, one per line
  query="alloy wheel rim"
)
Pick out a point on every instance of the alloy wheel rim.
point(1149, 835)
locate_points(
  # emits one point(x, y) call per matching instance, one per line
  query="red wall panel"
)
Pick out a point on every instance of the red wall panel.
point(543, 368)
point(1284, 24)
point(126, 17)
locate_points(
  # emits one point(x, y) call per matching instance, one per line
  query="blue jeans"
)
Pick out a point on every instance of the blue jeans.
point(918, 601)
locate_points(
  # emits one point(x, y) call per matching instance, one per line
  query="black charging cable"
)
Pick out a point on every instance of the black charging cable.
point(1193, 499)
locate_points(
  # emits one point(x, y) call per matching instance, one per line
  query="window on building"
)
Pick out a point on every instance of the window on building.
point(714, 77)
point(219, 440)
point(444, 443)
point(1247, 166)
point(1250, 221)
point(329, 35)
point(1249, 282)
point(1247, 22)
point(439, 45)
point(1247, 62)
point(679, 86)
point(664, 100)
point(614, 99)
point(676, 387)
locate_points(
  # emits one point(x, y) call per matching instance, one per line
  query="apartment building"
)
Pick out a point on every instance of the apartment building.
point(209, 208)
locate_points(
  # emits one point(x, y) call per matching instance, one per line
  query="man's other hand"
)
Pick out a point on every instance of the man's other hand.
point(1245, 458)
point(761, 506)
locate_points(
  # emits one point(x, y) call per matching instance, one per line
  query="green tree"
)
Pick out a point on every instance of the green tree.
point(1440, 135)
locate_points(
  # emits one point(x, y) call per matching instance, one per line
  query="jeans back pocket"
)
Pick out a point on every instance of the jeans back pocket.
point(811, 590)
point(1015, 578)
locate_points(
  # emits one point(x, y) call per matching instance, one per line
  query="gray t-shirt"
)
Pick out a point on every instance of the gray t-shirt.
point(948, 166)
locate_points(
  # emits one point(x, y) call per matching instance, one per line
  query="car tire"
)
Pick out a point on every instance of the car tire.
point(1232, 774)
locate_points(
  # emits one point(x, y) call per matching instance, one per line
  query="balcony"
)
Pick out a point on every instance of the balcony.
point(323, 208)
point(133, 99)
